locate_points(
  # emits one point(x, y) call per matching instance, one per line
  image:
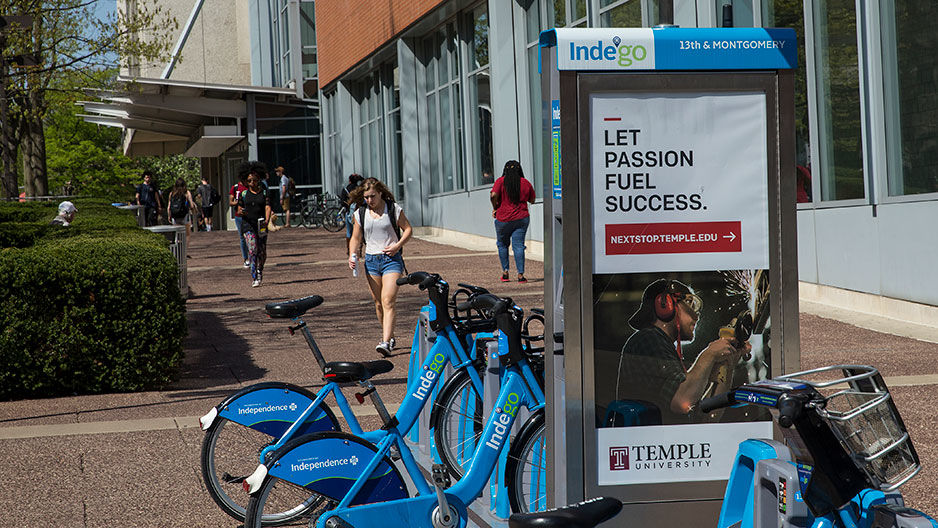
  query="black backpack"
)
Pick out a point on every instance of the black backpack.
point(178, 206)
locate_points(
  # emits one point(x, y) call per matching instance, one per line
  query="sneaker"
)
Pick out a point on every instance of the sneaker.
point(247, 263)
point(383, 348)
point(256, 283)
point(521, 278)
point(392, 343)
point(505, 277)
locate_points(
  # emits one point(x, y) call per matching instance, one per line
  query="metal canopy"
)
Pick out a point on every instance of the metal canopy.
point(162, 116)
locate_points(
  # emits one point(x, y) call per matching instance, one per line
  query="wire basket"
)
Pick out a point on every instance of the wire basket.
point(863, 416)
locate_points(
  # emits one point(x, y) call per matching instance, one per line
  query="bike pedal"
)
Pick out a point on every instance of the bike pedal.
point(440, 476)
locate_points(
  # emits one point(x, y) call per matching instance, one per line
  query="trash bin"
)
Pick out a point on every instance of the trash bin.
point(176, 234)
point(138, 211)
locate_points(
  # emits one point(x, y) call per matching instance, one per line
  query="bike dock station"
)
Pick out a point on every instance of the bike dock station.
point(669, 232)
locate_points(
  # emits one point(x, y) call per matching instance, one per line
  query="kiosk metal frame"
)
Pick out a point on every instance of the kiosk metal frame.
point(572, 453)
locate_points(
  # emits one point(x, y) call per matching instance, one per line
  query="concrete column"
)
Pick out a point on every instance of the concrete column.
point(413, 120)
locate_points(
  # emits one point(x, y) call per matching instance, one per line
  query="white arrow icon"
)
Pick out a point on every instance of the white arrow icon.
point(731, 236)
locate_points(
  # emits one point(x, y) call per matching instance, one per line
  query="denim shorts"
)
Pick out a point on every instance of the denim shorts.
point(378, 265)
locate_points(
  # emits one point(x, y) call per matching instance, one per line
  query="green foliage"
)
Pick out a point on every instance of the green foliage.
point(87, 308)
point(168, 168)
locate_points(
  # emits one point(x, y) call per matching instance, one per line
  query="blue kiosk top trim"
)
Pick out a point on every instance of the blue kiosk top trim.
point(621, 49)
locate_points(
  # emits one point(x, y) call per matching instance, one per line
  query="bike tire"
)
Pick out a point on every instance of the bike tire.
point(316, 504)
point(526, 469)
point(231, 449)
point(457, 423)
point(308, 222)
point(333, 220)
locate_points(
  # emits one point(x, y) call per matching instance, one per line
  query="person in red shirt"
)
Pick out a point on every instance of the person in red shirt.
point(510, 197)
point(233, 195)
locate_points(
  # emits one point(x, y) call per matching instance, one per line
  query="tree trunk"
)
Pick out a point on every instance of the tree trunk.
point(34, 154)
point(8, 154)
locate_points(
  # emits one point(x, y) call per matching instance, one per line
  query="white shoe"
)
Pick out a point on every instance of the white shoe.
point(392, 343)
point(256, 283)
point(383, 348)
point(247, 263)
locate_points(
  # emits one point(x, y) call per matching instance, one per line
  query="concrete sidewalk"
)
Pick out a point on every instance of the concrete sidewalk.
point(120, 460)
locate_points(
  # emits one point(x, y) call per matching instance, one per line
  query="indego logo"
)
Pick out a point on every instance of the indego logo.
point(430, 373)
point(624, 54)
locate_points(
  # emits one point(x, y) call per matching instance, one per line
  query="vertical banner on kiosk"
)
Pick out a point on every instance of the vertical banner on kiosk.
point(680, 279)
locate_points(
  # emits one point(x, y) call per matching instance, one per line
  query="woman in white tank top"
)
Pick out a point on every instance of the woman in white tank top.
point(383, 261)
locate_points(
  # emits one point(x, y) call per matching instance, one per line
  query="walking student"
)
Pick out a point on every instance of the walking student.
point(510, 197)
point(209, 199)
point(384, 227)
point(287, 190)
point(148, 196)
point(180, 206)
point(233, 195)
point(354, 180)
point(254, 206)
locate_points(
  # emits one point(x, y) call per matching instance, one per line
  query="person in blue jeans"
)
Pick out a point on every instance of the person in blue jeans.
point(233, 195)
point(385, 229)
point(510, 197)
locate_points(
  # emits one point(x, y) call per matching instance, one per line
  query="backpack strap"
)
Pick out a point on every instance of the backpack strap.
point(391, 216)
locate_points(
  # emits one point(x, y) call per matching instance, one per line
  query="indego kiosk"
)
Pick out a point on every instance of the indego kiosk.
point(670, 254)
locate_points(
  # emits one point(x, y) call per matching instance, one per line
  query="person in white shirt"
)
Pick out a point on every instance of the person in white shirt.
point(384, 227)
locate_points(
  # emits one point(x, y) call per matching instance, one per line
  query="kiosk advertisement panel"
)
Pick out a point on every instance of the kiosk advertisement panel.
point(680, 256)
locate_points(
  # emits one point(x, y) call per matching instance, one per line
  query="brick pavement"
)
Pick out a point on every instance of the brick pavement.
point(132, 459)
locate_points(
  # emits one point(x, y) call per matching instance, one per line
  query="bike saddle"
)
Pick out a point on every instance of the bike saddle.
point(344, 371)
point(585, 514)
point(294, 308)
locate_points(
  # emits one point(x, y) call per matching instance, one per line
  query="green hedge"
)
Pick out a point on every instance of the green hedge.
point(88, 308)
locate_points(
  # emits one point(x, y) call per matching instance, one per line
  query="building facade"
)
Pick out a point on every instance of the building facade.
point(434, 96)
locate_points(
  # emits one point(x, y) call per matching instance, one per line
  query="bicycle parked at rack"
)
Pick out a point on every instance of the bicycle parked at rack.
point(846, 453)
point(250, 424)
point(321, 211)
point(356, 484)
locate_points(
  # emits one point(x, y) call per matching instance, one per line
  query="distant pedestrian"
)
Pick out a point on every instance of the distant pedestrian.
point(254, 205)
point(180, 207)
point(354, 180)
point(510, 197)
point(381, 223)
point(66, 214)
point(287, 191)
point(148, 196)
point(233, 195)
point(209, 198)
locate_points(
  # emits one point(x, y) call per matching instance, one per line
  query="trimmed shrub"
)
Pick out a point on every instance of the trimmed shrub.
point(87, 308)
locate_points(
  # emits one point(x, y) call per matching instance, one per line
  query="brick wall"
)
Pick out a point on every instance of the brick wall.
point(348, 31)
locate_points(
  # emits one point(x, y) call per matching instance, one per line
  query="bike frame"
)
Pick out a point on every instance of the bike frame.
point(519, 388)
point(442, 353)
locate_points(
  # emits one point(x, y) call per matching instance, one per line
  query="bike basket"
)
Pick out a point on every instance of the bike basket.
point(863, 416)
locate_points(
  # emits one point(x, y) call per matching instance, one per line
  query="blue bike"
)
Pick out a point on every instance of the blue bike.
point(249, 425)
point(356, 483)
point(846, 453)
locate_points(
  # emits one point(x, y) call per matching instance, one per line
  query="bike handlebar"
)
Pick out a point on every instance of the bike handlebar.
point(420, 278)
point(472, 288)
point(718, 402)
point(485, 302)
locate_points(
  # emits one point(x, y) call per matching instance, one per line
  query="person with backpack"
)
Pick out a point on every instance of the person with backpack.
point(381, 223)
point(148, 196)
point(180, 205)
point(255, 211)
point(209, 197)
point(287, 192)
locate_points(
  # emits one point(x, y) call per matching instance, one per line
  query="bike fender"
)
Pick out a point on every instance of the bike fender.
point(530, 425)
point(272, 408)
point(254, 481)
point(330, 463)
point(209, 418)
point(437, 409)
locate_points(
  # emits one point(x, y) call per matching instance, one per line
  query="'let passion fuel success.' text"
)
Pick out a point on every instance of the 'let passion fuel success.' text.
point(643, 194)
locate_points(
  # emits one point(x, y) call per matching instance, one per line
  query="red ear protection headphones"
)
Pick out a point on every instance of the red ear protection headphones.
point(665, 308)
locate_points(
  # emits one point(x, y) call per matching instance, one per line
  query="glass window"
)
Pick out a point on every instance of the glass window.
point(623, 14)
point(558, 13)
point(911, 98)
point(480, 100)
point(790, 14)
point(838, 87)
point(308, 23)
point(579, 11)
point(742, 14)
point(444, 101)
point(433, 131)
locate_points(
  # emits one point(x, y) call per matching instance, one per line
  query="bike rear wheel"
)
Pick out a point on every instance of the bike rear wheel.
point(230, 453)
point(526, 470)
point(458, 423)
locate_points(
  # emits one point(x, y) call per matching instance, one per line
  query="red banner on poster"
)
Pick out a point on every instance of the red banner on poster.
point(673, 237)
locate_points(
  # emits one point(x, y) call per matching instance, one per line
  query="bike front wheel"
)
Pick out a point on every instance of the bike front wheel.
point(230, 453)
point(526, 470)
point(457, 423)
point(334, 220)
